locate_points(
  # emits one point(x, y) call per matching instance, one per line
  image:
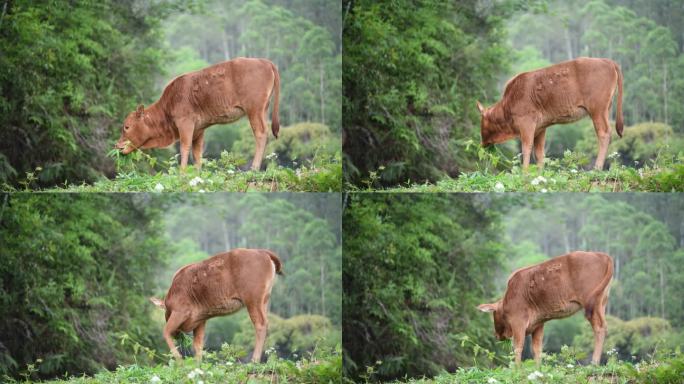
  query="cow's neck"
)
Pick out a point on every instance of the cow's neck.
point(498, 119)
point(160, 127)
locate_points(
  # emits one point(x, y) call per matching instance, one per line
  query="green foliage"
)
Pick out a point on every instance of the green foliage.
point(413, 266)
point(664, 174)
point(634, 340)
point(320, 175)
point(303, 143)
point(68, 76)
point(412, 73)
point(322, 368)
point(74, 273)
point(666, 368)
point(301, 335)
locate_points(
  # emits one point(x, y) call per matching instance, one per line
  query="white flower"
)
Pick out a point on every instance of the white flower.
point(543, 190)
point(570, 366)
point(272, 155)
point(537, 180)
point(158, 188)
point(155, 379)
point(195, 181)
point(229, 363)
point(492, 380)
point(613, 155)
point(534, 375)
point(230, 171)
point(200, 382)
point(573, 171)
point(499, 187)
point(194, 373)
point(612, 352)
point(201, 191)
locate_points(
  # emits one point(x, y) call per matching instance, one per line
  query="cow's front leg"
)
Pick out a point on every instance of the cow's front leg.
point(197, 146)
point(170, 329)
point(526, 140)
point(185, 131)
point(539, 142)
point(198, 340)
point(537, 339)
point(518, 344)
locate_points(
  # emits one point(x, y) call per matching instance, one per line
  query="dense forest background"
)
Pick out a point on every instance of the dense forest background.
point(417, 265)
point(70, 72)
point(409, 98)
point(77, 271)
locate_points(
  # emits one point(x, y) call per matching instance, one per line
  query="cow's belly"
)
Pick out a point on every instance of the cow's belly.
point(569, 115)
point(226, 116)
point(225, 308)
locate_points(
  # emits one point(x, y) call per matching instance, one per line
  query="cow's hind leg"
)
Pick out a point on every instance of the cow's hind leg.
point(599, 326)
point(198, 340)
point(603, 135)
point(197, 146)
point(256, 120)
point(539, 142)
point(258, 315)
point(171, 328)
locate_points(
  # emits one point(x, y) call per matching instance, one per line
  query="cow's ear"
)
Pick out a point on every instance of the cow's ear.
point(480, 108)
point(487, 307)
point(140, 112)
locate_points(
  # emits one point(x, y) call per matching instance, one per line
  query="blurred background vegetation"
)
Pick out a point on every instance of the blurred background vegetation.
point(77, 271)
point(409, 98)
point(70, 72)
point(416, 266)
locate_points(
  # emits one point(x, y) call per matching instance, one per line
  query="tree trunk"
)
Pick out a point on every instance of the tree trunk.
point(568, 44)
point(322, 92)
point(322, 286)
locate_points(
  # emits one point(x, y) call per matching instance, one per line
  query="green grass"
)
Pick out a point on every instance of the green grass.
point(665, 368)
point(559, 175)
point(138, 172)
point(216, 368)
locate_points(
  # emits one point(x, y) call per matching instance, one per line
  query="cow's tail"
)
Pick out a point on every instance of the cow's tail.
point(275, 123)
point(618, 113)
point(600, 291)
point(158, 302)
point(276, 261)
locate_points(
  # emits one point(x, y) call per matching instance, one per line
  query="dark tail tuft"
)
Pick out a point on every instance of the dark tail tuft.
point(276, 261)
point(618, 113)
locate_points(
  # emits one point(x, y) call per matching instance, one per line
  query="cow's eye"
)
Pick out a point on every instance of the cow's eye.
point(126, 127)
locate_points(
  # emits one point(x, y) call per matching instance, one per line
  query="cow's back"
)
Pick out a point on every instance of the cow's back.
point(556, 283)
point(562, 92)
point(229, 84)
point(227, 275)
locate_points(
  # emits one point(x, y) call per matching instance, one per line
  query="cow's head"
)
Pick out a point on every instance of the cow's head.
point(493, 127)
point(135, 132)
point(502, 330)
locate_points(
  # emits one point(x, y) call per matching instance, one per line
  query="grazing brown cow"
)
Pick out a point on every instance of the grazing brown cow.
point(560, 94)
point(554, 289)
point(218, 286)
point(219, 94)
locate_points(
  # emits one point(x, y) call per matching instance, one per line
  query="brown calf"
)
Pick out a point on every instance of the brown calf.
point(218, 286)
point(554, 289)
point(190, 103)
point(560, 94)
